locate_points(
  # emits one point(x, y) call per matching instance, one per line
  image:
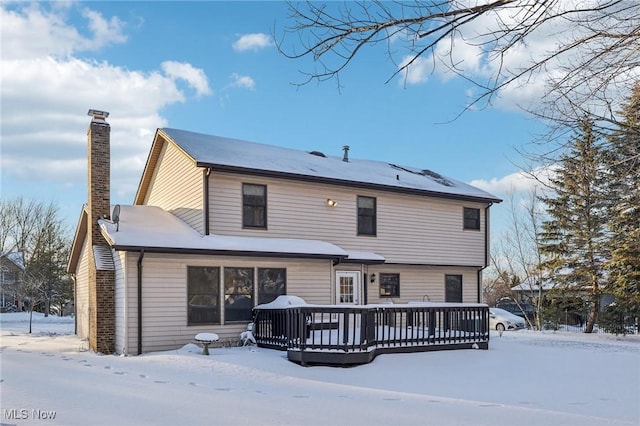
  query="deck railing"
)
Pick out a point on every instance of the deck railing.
point(332, 334)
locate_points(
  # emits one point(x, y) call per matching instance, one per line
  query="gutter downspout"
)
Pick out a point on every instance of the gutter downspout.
point(75, 304)
point(486, 251)
point(365, 286)
point(140, 257)
point(205, 175)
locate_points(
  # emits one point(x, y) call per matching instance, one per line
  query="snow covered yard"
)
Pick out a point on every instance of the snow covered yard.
point(525, 378)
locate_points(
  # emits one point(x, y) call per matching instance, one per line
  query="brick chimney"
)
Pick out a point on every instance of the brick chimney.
point(101, 281)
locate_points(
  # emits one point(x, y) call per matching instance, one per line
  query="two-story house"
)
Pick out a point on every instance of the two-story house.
point(220, 225)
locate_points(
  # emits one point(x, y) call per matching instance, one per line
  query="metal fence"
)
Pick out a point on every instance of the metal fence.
point(341, 335)
point(617, 326)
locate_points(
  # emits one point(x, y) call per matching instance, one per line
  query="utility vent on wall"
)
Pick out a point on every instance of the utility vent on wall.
point(103, 258)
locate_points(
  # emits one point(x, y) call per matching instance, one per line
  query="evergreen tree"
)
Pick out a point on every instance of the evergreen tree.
point(624, 223)
point(574, 238)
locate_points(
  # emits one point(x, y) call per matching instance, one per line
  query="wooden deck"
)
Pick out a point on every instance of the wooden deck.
point(349, 335)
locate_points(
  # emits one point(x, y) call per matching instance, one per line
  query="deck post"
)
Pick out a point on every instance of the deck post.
point(432, 327)
point(345, 330)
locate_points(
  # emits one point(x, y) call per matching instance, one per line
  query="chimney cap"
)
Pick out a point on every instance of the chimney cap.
point(97, 114)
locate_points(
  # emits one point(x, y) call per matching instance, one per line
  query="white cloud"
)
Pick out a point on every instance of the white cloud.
point(243, 81)
point(466, 57)
point(254, 42)
point(31, 31)
point(417, 72)
point(194, 77)
point(461, 57)
point(46, 93)
point(518, 182)
point(104, 31)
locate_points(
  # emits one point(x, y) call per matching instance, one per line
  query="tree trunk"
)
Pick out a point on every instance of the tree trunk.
point(593, 315)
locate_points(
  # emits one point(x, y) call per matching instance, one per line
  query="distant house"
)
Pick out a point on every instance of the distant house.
point(11, 270)
point(530, 289)
point(220, 225)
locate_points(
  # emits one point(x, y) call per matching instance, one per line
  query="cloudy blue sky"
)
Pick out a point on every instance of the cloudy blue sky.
point(213, 67)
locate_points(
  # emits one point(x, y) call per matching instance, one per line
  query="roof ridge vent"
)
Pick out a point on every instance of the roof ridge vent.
point(318, 154)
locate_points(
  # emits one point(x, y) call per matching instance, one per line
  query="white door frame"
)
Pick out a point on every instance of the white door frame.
point(348, 287)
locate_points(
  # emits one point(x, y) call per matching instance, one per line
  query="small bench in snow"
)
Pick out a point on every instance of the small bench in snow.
point(206, 339)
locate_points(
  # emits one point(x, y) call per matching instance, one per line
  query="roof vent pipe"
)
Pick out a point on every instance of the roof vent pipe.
point(346, 153)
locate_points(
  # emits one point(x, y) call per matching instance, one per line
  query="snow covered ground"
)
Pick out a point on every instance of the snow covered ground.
point(525, 378)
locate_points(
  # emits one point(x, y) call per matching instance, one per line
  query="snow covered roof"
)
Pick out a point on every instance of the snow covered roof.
point(249, 157)
point(533, 285)
point(15, 257)
point(544, 283)
point(364, 257)
point(154, 229)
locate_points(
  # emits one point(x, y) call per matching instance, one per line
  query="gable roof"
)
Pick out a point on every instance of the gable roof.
point(101, 254)
point(234, 155)
point(78, 240)
point(15, 257)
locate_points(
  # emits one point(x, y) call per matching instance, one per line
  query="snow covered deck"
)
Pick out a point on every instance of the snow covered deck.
point(345, 335)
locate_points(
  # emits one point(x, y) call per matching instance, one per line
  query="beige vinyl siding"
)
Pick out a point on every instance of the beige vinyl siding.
point(310, 280)
point(164, 288)
point(164, 283)
point(423, 283)
point(469, 287)
point(177, 187)
point(82, 292)
point(410, 229)
point(131, 308)
point(119, 259)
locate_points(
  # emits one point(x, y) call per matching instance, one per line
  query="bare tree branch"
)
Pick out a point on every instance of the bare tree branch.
point(585, 53)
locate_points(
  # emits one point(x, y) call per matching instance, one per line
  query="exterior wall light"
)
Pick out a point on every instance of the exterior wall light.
point(331, 203)
point(373, 277)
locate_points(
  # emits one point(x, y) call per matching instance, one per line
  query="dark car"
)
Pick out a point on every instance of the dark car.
point(524, 310)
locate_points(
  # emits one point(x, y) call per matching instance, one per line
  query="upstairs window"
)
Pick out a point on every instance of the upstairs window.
point(366, 215)
point(7, 275)
point(254, 206)
point(471, 218)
